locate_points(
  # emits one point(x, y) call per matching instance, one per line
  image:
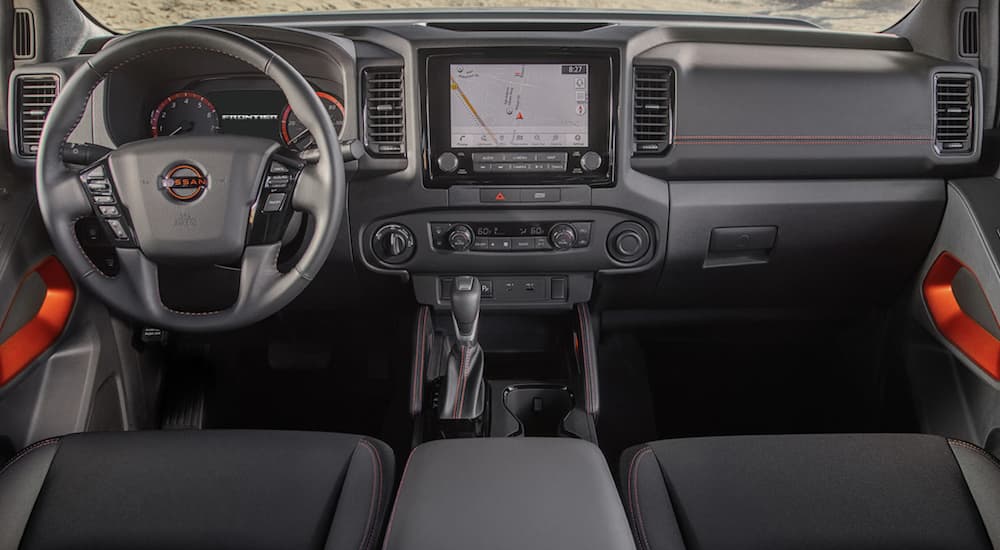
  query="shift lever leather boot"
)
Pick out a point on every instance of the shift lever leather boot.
point(464, 394)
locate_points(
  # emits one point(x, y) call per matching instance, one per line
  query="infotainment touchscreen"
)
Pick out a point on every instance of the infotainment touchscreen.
point(527, 105)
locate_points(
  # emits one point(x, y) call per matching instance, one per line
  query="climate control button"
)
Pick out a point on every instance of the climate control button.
point(461, 238)
point(562, 236)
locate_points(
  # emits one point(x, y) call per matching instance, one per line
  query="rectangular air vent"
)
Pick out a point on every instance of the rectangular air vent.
point(24, 34)
point(954, 109)
point(34, 95)
point(384, 115)
point(652, 115)
point(968, 33)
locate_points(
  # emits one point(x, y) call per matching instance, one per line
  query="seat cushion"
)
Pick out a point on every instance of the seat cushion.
point(809, 491)
point(197, 489)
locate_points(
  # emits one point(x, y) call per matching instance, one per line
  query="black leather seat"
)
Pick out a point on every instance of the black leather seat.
point(812, 491)
point(197, 489)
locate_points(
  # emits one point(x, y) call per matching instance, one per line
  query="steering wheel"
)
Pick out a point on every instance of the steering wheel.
point(192, 200)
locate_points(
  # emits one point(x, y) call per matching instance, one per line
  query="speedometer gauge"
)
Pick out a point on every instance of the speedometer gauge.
point(294, 134)
point(184, 113)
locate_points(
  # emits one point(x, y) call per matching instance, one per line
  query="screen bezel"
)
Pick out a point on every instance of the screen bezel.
point(602, 95)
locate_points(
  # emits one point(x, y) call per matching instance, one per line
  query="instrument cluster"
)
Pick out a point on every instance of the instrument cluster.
point(218, 107)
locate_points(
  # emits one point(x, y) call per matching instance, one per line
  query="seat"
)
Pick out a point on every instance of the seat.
point(197, 489)
point(812, 491)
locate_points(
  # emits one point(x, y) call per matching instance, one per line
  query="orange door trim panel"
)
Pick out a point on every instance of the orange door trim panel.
point(954, 324)
point(38, 334)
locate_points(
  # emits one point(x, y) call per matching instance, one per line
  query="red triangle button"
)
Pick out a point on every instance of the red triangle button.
point(500, 197)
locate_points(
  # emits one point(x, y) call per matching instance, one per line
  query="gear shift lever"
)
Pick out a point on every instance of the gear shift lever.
point(465, 294)
point(463, 393)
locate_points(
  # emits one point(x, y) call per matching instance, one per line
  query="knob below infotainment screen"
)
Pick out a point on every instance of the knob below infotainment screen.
point(590, 161)
point(448, 162)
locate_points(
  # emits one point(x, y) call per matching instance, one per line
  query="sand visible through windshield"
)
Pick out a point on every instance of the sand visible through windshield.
point(846, 15)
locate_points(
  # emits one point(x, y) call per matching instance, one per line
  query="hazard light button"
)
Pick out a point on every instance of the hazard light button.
point(500, 196)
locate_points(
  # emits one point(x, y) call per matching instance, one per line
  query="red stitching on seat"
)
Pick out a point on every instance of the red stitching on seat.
point(369, 535)
point(633, 490)
point(986, 454)
point(395, 506)
point(27, 450)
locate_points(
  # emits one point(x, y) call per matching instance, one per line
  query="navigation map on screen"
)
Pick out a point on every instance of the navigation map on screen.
point(522, 105)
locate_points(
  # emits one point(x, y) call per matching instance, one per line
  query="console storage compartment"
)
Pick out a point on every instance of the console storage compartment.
point(502, 493)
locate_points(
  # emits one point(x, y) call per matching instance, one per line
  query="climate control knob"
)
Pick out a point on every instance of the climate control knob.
point(393, 243)
point(562, 236)
point(447, 162)
point(460, 238)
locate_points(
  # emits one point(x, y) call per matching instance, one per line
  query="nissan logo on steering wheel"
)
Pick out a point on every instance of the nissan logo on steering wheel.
point(184, 182)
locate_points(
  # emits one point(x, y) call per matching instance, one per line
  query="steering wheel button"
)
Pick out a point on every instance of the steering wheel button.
point(104, 199)
point(109, 211)
point(274, 202)
point(278, 182)
point(96, 172)
point(99, 187)
point(278, 168)
point(118, 229)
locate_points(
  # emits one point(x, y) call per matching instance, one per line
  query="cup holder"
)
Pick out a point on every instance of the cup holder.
point(538, 408)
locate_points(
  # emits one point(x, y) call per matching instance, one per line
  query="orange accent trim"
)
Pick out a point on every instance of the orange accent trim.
point(154, 118)
point(287, 112)
point(31, 340)
point(954, 324)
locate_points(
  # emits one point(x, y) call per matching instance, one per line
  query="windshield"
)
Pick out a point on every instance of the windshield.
point(845, 15)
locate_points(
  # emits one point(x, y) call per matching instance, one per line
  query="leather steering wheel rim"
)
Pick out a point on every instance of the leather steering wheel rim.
point(320, 191)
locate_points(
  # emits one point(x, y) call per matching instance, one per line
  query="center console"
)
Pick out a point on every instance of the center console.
point(484, 493)
point(516, 145)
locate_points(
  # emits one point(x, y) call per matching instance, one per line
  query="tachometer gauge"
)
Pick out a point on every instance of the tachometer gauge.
point(295, 135)
point(184, 113)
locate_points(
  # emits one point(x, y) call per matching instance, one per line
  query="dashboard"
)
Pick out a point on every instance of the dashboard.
point(628, 160)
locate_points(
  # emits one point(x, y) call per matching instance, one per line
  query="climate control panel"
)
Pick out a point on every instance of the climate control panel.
point(510, 236)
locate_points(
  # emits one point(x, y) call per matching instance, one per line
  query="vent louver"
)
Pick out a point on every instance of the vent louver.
point(968, 33)
point(384, 115)
point(954, 109)
point(652, 115)
point(24, 34)
point(34, 97)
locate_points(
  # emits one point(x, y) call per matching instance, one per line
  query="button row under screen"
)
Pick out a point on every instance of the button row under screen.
point(557, 157)
point(504, 167)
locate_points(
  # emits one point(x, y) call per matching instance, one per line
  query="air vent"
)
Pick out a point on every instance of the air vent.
point(24, 34)
point(34, 96)
point(968, 33)
point(652, 124)
point(384, 123)
point(954, 103)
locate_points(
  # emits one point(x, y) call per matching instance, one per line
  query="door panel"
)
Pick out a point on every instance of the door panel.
point(956, 372)
point(66, 364)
